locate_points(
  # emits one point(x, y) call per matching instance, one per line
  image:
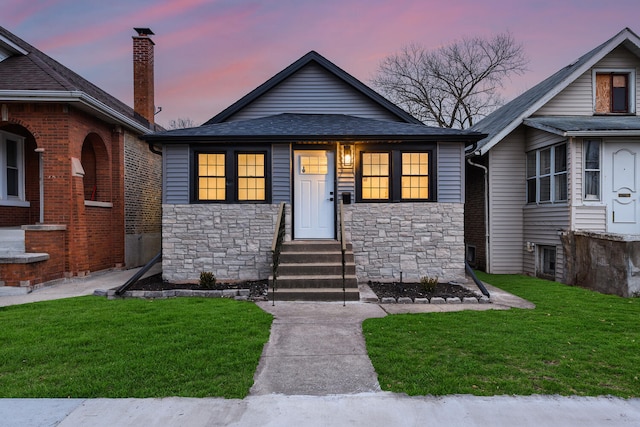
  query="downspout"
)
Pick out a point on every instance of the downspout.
point(486, 211)
point(153, 149)
point(40, 152)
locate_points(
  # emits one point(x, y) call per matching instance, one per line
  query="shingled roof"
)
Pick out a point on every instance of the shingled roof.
point(501, 122)
point(27, 74)
point(288, 127)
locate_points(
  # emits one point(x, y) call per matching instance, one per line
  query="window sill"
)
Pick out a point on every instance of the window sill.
point(15, 203)
point(98, 204)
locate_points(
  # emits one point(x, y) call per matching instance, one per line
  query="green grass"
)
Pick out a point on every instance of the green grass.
point(575, 342)
point(92, 347)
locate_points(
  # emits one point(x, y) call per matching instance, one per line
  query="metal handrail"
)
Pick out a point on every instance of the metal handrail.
point(475, 279)
point(276, 247)
point(343, 249)
point(139, 274)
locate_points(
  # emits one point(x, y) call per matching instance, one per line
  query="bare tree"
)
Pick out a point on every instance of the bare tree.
point(181, 123)
point(454, 85)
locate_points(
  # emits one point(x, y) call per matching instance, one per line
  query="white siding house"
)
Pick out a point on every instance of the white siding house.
point(564, 174)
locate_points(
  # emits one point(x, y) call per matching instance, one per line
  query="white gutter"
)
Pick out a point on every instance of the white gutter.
point(72, 96)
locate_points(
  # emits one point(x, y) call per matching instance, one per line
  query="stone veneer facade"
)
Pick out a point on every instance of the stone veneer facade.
point(234, 241)
point(417, 239)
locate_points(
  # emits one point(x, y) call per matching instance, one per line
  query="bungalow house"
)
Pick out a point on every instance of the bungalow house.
point(79, 190)
point(311, 137)
point(553, 189)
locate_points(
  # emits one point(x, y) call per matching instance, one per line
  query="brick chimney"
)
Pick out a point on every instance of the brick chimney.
point(143, 102)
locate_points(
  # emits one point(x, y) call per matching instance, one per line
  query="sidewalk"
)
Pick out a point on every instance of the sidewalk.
point(314, 371)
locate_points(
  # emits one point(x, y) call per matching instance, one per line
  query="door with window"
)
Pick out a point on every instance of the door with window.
point(620, 187)
point(313, 210)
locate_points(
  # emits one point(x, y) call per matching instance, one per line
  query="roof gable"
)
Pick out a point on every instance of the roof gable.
point(505, 119)
point(338, 88)
point(26, 72)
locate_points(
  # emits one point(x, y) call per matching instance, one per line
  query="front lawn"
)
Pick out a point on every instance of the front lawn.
point(93, 347)
point(575, 342)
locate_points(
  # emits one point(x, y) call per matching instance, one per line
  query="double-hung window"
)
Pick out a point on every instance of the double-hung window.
point(547, 175)
point(591, 170)
point(231, 176)
point(394, 174)
point(614, 91)
point(12, 168)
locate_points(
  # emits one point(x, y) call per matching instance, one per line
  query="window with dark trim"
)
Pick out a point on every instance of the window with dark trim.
point(394, 174)
point(231, 175)
point(613, 92)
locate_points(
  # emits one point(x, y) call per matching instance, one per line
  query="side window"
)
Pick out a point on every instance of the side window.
point(592, 170)
point(547, 175)
point(12, 167)
point(375, 176)
point(415, 176)
point(251, 177)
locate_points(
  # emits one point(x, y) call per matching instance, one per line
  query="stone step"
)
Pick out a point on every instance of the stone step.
point(313, 246)
point(306, 257)
point(314, 294)
point(11, 240)
point(327, 281)
point(315, 269)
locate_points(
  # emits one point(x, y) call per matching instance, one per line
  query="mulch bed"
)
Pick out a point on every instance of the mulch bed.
point(259, 288)
point(415, 290)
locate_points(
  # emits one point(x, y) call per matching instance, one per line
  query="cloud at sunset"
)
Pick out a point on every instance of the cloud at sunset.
point(208, 54)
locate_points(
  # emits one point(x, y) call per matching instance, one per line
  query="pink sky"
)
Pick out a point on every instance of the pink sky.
point(208, 54)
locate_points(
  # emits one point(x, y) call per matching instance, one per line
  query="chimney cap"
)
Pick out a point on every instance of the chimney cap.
point(143, 32)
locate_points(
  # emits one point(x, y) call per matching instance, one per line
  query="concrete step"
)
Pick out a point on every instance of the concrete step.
point(315, 269)
point(11, 240)
point(315, 294)
point(328, 281)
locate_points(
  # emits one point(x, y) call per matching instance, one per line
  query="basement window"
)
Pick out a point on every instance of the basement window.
point(547, 262)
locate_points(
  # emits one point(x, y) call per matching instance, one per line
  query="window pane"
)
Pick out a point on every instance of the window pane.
point(12, 153)
point(545, 189)
point(592, 185)
point(531, 190)
point(592, 154)
point(560, 158)
point(12, 182)
point(560, 192)
point(531, 164)
point(251, 177)
point(545, 161)
point(375, 176)
point(211, 177)
point(415, 176)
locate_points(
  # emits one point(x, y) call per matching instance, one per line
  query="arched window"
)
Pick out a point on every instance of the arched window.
point(95, 162)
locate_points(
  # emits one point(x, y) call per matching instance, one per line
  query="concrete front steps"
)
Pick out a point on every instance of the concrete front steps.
point(311, 270)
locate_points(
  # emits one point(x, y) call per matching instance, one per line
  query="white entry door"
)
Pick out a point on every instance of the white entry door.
point(621, 185)
point(313, 214)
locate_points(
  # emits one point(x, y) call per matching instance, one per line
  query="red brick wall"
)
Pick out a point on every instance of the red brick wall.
point(474, 218)
point(93, 241)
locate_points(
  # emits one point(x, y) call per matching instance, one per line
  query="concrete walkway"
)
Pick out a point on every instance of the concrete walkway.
point(314, 371)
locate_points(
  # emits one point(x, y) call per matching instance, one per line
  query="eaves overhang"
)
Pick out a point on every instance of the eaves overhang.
point(87, 102)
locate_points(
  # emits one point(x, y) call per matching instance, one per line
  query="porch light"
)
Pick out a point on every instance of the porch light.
point(347, 156)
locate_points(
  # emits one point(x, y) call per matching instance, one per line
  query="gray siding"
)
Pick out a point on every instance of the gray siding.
point(313, 90)
point(450, 174)
point(577, 98)
point(281, 173)
point(542, 224)
point(175, 179)
point(506, 199)
point(537, 139)
point(591, 218)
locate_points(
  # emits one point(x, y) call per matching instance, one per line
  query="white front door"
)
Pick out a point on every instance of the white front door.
point(621, 185)
point(313, 214)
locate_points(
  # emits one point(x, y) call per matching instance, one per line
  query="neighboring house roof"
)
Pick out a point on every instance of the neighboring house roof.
point(28, 75)
point(587, 125)
point(505, 119)
point(288, 127)
point(313, 57)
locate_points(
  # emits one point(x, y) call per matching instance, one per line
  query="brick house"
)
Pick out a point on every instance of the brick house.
point(79, 189)
point(309, 137)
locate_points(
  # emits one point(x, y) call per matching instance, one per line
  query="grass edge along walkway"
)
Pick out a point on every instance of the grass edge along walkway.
point(575, 342)
point(91, 347)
